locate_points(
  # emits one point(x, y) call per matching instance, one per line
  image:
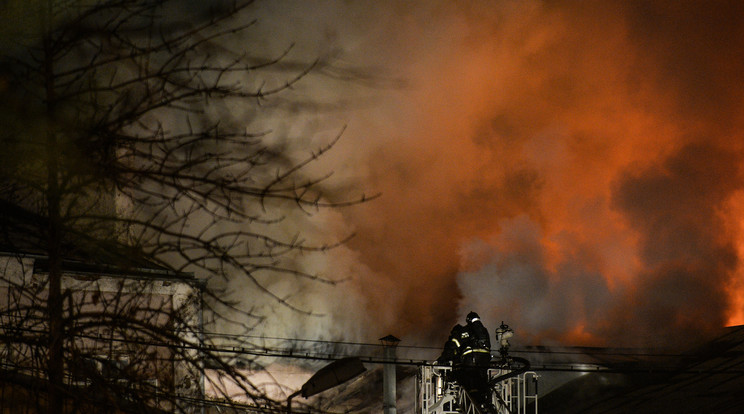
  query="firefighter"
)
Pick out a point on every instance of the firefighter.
point(451, 351)
point(476, 358)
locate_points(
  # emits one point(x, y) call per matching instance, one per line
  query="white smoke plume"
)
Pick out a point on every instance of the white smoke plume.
point(570, 168)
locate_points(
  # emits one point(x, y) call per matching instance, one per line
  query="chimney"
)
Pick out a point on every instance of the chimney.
point(389, 344)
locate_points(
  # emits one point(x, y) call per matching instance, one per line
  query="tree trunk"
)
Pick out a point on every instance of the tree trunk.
point(55, 362)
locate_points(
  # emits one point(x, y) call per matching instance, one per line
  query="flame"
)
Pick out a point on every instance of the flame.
point(735, 286)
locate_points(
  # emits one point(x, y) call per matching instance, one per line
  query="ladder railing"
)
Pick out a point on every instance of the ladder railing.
point(437, 394)
point(516, 395)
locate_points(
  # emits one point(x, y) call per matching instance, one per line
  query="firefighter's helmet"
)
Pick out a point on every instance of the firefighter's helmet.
point(472, 317)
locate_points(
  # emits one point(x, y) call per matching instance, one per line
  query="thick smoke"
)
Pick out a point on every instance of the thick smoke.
point(570, 168)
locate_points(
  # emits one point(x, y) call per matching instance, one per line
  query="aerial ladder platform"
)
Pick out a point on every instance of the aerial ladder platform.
point(512, 386)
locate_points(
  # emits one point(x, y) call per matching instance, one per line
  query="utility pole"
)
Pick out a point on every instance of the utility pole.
point(389, 344)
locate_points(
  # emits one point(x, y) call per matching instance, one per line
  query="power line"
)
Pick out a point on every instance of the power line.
point(578, 367)
point(529, 349)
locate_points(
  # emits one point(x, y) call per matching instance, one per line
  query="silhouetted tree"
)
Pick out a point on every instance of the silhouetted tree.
point(129, 144)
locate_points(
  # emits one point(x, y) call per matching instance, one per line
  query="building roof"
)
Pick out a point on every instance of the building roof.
point(23, 234)
point(704, 380)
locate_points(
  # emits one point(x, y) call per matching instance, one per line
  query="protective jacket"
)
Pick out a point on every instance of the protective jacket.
point(477, 349)
point(479, 335)
point(453, 347)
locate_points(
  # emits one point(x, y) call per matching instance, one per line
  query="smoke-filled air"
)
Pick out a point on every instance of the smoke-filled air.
point(573, 168)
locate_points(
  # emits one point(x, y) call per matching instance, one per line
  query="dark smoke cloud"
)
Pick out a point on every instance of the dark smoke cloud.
point(687, 258)
point(571, 168)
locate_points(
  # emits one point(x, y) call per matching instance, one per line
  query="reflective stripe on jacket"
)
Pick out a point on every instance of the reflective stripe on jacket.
point(471, 350)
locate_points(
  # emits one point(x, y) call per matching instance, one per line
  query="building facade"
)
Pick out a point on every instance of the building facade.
point(131, 342)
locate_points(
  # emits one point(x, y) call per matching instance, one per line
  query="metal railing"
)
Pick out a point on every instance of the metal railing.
point(438, 394)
